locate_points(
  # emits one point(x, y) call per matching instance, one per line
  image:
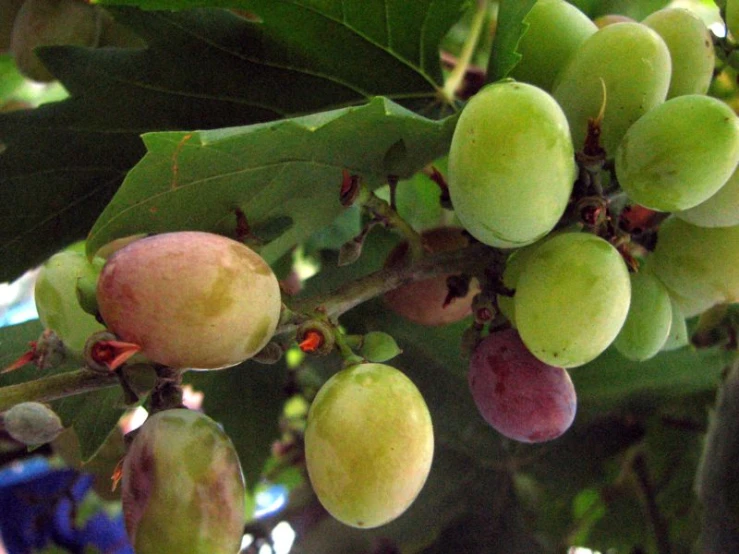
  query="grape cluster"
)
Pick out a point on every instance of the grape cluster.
point(596, 112)
point(28, 24)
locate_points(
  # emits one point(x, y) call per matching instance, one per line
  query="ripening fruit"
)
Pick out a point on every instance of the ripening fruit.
point(190, 299)
point(679, 154)
point(572, 298)
point(610, 19)
point(720, 210)
point(518, 395)
point(422, 302)
point(369, 443)
point(49, 23)
point(634, 64)
point(182, 487)
point(650, 317)
point(56, 299)
point(699, 265)
point(555, 31)
point(511, 165)
point(691, 49)
point(678, 335)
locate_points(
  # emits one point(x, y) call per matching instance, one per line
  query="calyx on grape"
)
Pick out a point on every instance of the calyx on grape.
point(190, 299)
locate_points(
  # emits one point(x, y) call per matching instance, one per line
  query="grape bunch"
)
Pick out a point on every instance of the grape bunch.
point(592, 113)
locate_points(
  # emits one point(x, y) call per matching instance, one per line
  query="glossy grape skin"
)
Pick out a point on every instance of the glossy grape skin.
point(648, 322)
point(679, 154)
point(572, 299)
point(720, 210)
point(691, 49)
point(368, 444)
point(555, 31)
point(511, 165)
point(56, 299)
point(518, 395)
point(634, 63)
point(190, 299)
point(182, 488)
point(699, 265)
point(678, 335)
point(422, 302)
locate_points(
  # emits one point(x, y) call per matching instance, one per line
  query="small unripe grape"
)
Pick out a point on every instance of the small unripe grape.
point(369, 443)
point(650, 317)
point(572, 298)
point(679, 154)
point(49, 23)
point(56, 299)
point(720, 210)
point(691, 49)
point(422, 302)
point(511, 165)
point(632, 62)
point(699, 265)
point(518, 395)
point(678, 335)
point(32, 423)
point(182, 487)
point(610, 19)
point(190, 299)
point(555, 31)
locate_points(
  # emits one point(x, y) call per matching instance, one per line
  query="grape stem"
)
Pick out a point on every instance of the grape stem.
point(455, 78)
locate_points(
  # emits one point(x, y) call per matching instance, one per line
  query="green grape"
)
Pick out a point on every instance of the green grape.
point(511, 165)
point(720, 210)
point(368, 444)
point(691, 49)
point(732, 17)
point(48, 23)
point(610, 19)
point(572, 299)
point(190, 299)
point(56, 299)
point(648, 322)
point(555, 31)
point(678, 335)
point(699, 265)
point(632, 62)
point(679, 154)
point(182, 488)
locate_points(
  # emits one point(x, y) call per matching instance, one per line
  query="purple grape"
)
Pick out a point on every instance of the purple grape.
point(518, 395)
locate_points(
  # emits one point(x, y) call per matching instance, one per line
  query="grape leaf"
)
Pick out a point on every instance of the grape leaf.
point(202, 69)
point(288, 171)
point(511, 28)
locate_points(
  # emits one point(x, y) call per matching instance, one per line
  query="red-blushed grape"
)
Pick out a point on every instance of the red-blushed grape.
point(423, 301)
point(182, 487)
point(369, 443)
point(518, 395)
point(511, 165)
point(190, 299)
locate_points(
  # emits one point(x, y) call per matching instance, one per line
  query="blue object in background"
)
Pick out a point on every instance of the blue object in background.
point(38, 506)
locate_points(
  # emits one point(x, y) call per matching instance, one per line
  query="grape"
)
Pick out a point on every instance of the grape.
point(610, 19)
point(732, 17)
point(691, 49)
point(56, 300)
point(720, 210)
point(679, 154)
point(511, 165)
point(678, 335)
point(572, 299)
point(8, 10)
point(422, 302)
point(650, 316)
point(699, 266)
point(518, 395)
point(634, 64)
point(182, 487)
point(190, 299)
point(368, 444)
point(47, 23)
point(555, 30)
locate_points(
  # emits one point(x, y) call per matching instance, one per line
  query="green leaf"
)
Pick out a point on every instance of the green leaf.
point(511, 28)
point(247, 400)
point(289, 170)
